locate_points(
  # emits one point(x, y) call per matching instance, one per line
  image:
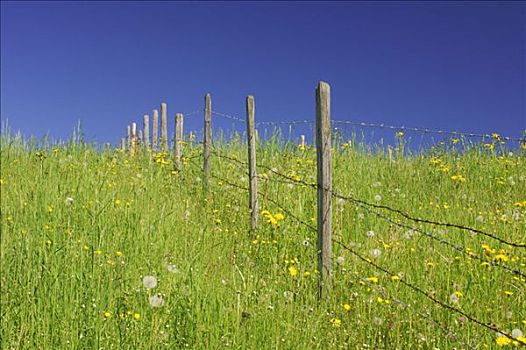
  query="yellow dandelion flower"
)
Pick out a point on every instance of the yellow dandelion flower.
point(336, 322)
point(346, 307)
point(372, 279)
point(118, 253)
point(293, 271)
point(503, 341)
point(136, 316)
point(508, 293)
point(395, 278)
point(458, 178)
point(501, 257)
point(107, 314)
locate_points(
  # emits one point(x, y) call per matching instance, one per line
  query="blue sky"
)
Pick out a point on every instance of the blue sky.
point(457, 66)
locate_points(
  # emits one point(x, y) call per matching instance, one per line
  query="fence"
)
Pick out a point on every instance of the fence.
point(324, 191)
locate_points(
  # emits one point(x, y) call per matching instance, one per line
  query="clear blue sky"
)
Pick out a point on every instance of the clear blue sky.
point(439, 65)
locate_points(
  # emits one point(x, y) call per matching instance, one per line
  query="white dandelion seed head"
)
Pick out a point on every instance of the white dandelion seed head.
point(515, 333)
point(149, 282)
point(454, 299)
point(171, 268)
point(377, 184)
point(340, 202)
point(69, 200)
point(306, 243)
point(288, 295)
point(156, 300)
point(377, 198)
point(370, 233)
point(290, 186)
point(374, 253)
point(340, 260)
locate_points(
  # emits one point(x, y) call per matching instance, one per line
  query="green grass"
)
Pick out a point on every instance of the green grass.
point(71, 271)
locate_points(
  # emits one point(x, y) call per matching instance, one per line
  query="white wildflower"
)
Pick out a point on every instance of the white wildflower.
point(377, 198)
point(340, 260)
point(68, 200)
point(149, 282)
point(515, 333)
point(156, 300)
point(374, 253)
point(453, 298)
point(370, 233)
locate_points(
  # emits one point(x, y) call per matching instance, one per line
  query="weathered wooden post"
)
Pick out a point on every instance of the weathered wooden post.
point(252, 176)
point(128, 139)
point(133, 148)
point(164, 128)
point(324, 167)
point(146, 128)
point(139, 139)
point(178, 140)
point(302, 142)
point(155, 129)
point(207, 139)
point(123, 144)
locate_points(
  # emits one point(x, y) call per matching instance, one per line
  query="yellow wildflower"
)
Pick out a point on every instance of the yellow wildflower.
point(293, 271)
point(346, 307)
point(336, 322)
point(503, 341)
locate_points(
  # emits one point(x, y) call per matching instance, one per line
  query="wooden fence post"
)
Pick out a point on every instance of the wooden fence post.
point(128, 137)
point(207, 139)
point(164, 128)
point(123, 144)
point(302, 142)
point(139, 139)
point(324, 167)
point(253, 183)
point(178, 139)
point(146, 128)
point(155, 129)
point(133, 148)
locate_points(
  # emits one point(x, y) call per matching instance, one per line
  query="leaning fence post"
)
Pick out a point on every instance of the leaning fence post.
point(323, 158)
point(164, 128)
point(207, 139)
point(146, 128)
point(178, 139)
point(252, 177)
point(155, 129)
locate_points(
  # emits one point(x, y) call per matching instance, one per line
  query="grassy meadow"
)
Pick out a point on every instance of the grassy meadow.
point(101, 249)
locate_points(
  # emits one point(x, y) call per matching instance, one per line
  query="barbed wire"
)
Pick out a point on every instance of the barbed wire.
point(406, 305)
point(389, 273)
point(428, 130)
point(228, 116)
point(380, 206)
point(427, 295)
point(285, 122)
point(366, 205)
point(197, 111)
